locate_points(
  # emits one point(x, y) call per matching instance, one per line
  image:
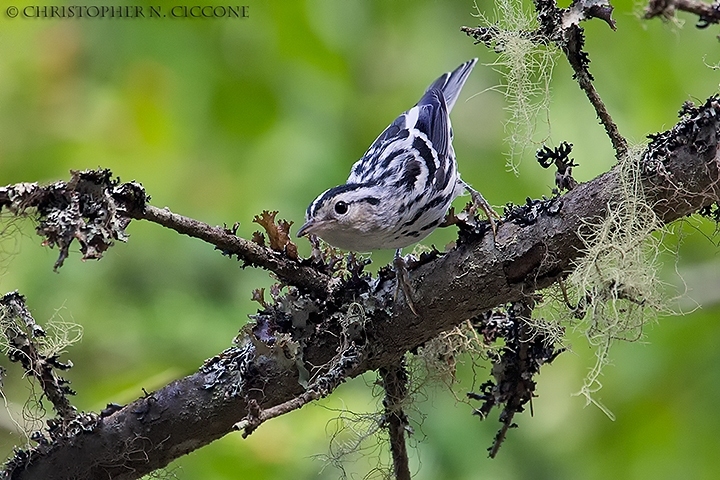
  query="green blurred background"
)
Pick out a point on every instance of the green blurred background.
point(221, 118)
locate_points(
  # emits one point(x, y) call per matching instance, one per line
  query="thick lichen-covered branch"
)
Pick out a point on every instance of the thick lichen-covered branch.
point(299, 339)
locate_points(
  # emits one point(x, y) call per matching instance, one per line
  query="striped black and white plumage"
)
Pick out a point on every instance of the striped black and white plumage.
point(401, 189)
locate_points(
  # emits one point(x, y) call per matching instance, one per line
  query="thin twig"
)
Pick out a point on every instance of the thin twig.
point(707, 13)
point(395, 383)
point(578, 61)
point(291, 271)
point(561, 27)
point(514, 368)
point(523, 391)
point(257, 416)
point(323, 386)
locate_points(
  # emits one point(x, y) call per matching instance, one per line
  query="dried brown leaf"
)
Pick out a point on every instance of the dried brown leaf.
point(278, 233)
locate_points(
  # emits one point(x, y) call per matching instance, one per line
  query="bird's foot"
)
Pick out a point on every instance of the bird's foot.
point(480, 202)
point(402, 281)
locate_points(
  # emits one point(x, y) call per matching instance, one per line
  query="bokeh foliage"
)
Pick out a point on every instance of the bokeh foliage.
point(221, 118)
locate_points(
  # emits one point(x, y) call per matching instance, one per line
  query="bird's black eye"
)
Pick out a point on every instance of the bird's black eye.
point(341, 208)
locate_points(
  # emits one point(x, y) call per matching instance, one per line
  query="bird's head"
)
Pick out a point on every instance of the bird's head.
point(351, 217)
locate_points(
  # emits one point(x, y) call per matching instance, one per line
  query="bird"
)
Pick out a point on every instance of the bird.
point(402, 187)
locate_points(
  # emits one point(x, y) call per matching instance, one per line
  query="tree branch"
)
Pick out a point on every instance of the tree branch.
point(94, 210)
point(680, 176)
point(708, 13)
point(561, 26)
point(22, 334)
point(579, 63)
point(293, 272)
point(395, 383)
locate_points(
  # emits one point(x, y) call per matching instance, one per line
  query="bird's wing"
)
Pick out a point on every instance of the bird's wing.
point(422, 133)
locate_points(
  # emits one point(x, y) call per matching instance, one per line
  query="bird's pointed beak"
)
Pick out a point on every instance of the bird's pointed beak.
point(307, 228)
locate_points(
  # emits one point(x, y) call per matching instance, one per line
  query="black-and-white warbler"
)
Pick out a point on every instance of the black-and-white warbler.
point(401, 189)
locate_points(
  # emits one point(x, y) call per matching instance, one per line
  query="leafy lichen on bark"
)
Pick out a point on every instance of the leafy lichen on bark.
point(87, 209)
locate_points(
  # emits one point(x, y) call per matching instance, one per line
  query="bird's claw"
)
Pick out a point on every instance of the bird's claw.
point(480, 202)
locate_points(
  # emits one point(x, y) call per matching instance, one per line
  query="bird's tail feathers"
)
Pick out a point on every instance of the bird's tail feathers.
point(451, 83)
